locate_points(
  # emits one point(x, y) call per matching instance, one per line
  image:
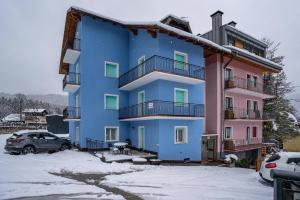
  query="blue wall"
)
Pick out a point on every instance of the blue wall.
point(102, 41)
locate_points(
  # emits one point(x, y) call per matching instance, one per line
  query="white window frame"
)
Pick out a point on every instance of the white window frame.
point(112, 63)
point(232, 97)
point(186, 135)
point(232, 72)
point(186, 98)
point(182, 54)
point(231, 133)
point(115, 95)
point(110, 127)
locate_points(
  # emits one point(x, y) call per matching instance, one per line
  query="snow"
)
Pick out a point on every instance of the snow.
point(34, 110)
point(139, 160)
point(230, 157)
point(12, 118)
point(253, 55)
point(28, 175)
point(109, 157)
point(292, 117)
point(175, 17)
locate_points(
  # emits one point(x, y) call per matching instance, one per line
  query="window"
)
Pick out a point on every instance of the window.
point(180, 60)
point(248, 133)
point(228, 133)
point(255, 106)
point(111, 102)
point(247, 46)
point(111, 134)
point(181, 97)
point(49, 136)
point(294, 161)
point(231, 40)
point(181, 134)
point(254, 131)
point(248, 107)
point(141, 66)
point(273, 158)
point(254, 81)
point(111, 69)
point(228, 103)
point(228, 74)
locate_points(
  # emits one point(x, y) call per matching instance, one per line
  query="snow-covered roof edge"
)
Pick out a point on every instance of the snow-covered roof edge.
point(175, 17)
point(154, 23)
point(252, 56)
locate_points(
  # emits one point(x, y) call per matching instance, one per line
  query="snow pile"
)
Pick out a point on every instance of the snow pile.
point(12, 118)
point(231, 157)
point(137, 159)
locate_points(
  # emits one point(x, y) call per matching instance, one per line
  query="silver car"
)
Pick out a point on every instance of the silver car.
point(35, 141)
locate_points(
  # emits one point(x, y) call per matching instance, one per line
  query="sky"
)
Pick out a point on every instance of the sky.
point(32, 30)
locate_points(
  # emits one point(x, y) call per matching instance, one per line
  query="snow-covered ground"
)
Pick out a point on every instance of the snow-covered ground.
point(28, 175)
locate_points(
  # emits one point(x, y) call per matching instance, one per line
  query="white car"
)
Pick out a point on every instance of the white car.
point(289, 161)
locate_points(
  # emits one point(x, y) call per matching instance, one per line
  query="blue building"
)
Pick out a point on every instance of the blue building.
point(142, 82)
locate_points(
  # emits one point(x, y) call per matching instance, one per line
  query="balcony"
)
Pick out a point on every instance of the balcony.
point(237, 145)
point(245, 114)
point(158, 67)
point(71, 82)
point(72, 51)
point(246, 87)
point(71, 114)
point(162, 110)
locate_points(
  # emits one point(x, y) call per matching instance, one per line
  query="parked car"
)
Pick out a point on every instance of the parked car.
point(35, 141)
point(289, 161)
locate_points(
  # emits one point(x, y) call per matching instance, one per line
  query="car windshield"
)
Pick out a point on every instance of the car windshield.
point(273, 158)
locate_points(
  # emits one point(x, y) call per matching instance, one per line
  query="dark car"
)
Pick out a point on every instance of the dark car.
point(35, 141)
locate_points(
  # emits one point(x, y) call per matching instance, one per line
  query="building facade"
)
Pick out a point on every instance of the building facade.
point(234, 109)
point(143, 83)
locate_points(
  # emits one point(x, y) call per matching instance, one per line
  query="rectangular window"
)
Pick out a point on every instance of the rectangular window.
point(111, 69)
point(255, 106)
point(181, 97)
point(254, 131)
point(231, 40)
point(227, 133)
point(248, 133)
point(111, 102)
point(111, 134)
point(228, 74)
point(248, 107)
point(180, 60)
point(228, 103)
point(254, 81)
point(141, 66)
point(181, 135)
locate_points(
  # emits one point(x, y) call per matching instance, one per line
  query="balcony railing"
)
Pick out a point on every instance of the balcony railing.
point(162, 108)
point(162, 64)
point(242, 83)
point(71, 113)
point(242, 113)
point(242, 144)
point(72, 79)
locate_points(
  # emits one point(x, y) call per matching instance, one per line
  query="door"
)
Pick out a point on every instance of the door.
point(211, 144)
point(141, 103)
point(180, 60)
point(141, 137)
point(228, 103)
point(228, 74)
point(77, 106)
point(49, 141)
point(77, 134)
point(248, 134)
point(248, 81)
point(254, 131)
point(248, 108)
point(141, 66)
point(77, 74)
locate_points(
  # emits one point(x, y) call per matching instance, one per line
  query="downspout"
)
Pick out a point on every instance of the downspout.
point(223, 67)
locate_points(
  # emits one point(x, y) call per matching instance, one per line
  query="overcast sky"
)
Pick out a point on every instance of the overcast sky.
point(31, 32)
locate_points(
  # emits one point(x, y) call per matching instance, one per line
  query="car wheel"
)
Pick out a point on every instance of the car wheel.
point(28, 150)
point(64, 147)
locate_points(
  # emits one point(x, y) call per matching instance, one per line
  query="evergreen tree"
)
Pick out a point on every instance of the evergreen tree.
point(280, 107)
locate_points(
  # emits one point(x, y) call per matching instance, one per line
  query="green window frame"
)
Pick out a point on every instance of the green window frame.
point(180, 60)
point(111, 69)
point(180, 96)
point(111, 102)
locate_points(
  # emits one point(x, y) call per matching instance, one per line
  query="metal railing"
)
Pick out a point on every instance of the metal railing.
point(242, 113)
point(286, 184)
point(94, 144)
point(71, 113)
point(232, 144)
point(71, 78)
point(162, 64)
point(162, 108)
point(238, 82)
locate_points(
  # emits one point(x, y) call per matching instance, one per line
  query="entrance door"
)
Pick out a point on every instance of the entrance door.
point(141, 137)
point(77, 134)
point(141, 103)
point(77, 106)
point(211, 143)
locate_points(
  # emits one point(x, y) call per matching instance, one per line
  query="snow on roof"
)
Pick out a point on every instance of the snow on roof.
point(252, 55)
point(175, 17)
point(159, 25)
point(12, 118)
point(30, 131)
point(34, 110)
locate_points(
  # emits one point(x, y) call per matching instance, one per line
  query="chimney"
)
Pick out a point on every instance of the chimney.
point(232, 23)
point(216, 24)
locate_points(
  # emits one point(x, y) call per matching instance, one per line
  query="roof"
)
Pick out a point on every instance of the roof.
point(34, 110)
point(178, 22)
point(74, 14)
point(248, 55)
point(14, 117)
